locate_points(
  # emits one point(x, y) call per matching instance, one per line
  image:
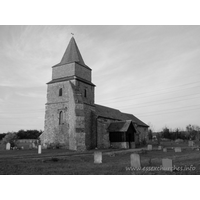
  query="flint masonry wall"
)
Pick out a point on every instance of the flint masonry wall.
point(143, 132)
point(89, 99)
point(90, 129)
point(55, 132)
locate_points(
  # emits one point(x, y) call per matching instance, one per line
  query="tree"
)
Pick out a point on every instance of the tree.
point(28, 134)
point(150, 134)
point(166, 133)
point(193, 131)
point(11, 138)
point(2, 135)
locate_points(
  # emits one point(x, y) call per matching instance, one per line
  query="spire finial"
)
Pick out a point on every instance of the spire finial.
point(72, 34)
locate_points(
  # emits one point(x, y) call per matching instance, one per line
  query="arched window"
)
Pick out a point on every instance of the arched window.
point(85, 93)
point(60, 117)
point(60, 92)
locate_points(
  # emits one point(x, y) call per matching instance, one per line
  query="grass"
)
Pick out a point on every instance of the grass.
point(63, 162)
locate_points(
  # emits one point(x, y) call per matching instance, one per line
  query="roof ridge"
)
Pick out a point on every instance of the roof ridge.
point(107, 107)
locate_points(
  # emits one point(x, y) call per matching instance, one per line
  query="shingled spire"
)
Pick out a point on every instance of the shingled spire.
point(72, 54)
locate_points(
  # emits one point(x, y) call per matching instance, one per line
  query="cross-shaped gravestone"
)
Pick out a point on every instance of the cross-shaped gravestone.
point(177, 149)
point(97, 157)
point(167, 164)
point(149, 147)
point(8, 146)
point(39, 149)
point(135, 160)
point(164, 149)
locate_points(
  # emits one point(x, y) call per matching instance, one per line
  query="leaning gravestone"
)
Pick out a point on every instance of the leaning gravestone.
point(8, 146)
point(177, 149)
point(135, 160)
point(39, 149)
point(149, 147)
point(97, 157)
point(167, 164)
point(164, 149)
point(190, 143)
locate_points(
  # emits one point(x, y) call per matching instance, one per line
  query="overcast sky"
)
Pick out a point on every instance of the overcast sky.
point(150, 71)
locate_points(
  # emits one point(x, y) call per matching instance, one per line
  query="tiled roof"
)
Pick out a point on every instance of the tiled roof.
point(121, 126)
point(116, 114)
point(71, 78)
point(72, 54)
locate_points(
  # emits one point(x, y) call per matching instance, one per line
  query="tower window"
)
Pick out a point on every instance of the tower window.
point(60, 117)
point(85, 93)
point(60, 92)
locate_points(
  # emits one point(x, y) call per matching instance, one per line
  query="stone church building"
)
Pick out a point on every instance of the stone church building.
point(73, 120)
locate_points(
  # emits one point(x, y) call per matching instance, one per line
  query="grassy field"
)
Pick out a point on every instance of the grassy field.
point(61, 162)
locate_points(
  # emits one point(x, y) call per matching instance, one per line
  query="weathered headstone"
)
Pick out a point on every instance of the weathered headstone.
point(39, 149)
point(135, 160)
point(149, 147)
point(167, 164)
point(177, 149)
point(159, 148)
point(164, 149)
point(8, 146)
point(97, 157)
point(190, 143)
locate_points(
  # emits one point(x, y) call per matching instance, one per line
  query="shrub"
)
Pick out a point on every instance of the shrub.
point(54, 146)
point(11, 138)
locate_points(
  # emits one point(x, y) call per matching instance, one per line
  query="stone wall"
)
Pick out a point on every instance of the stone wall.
point(144, 132)
point(89, 99)
point(89, 126)
point(53, 131)
point(120, 145)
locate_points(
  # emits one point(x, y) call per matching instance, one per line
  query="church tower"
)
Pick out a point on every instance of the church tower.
point(70, 102)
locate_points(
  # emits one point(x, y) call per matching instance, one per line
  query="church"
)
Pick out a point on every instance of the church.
point(74, 121)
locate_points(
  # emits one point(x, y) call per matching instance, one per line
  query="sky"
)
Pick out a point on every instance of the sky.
point(150, 71)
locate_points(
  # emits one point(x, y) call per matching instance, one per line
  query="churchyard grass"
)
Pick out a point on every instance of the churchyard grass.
point(61, 162)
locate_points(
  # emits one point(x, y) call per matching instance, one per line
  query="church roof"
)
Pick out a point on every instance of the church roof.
point(112, 113)
point(72, 54)
point(121, 126)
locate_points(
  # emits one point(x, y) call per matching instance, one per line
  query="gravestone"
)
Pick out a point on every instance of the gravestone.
point(159, 148)
point(149, 147)
point(164, 149)
point(39, 149)
point(44, 146)
point(135, 160)
point(177, 149)
point(8, 146)
point(167, 164)
point(190, 143)
point(97, 157)
point(33, 145)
